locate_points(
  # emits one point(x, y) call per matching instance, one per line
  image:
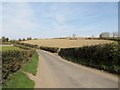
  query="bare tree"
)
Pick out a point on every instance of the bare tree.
point(19, 39)
point(24, 39)
point(74, 36)
point(104, 35)
point(115, 34)
point(4, 39)
point(29, 38)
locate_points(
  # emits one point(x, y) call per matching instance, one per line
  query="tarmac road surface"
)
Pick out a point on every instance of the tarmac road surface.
point(55, 72)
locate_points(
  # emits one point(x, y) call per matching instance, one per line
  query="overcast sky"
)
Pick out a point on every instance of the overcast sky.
point(47, 19)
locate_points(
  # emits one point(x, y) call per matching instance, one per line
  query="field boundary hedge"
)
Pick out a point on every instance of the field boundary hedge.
point(104, 56)
point(26, 45)
point(117, 39)
point(50, 49)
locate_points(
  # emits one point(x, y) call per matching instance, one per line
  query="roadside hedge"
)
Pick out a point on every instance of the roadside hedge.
point(113, 39)
point(26, 45)
point(103, 57)
point(50, 49)
point(12, 61)
point(22, 47)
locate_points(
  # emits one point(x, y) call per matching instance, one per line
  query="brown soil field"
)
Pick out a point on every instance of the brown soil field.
point(65, 43)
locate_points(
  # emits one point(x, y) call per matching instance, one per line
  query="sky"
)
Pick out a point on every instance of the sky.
point(58, 19)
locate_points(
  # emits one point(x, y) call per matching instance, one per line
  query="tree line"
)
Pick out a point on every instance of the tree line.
point(108, 34)
point(102, 35)
point(6, 39)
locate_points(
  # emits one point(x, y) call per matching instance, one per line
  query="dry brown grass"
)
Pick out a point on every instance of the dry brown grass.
point(65, 43)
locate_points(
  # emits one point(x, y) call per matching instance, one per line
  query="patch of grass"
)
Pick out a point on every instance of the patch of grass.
point(0, 48)
point(19, 80)
point(6, 48)
point(31, 65)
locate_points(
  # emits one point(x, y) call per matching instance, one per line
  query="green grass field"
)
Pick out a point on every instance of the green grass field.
point(6, 48)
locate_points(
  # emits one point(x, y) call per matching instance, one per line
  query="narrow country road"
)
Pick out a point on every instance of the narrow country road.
point(54, 72)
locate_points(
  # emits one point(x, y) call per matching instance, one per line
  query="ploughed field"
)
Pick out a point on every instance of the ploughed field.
point(65, 43)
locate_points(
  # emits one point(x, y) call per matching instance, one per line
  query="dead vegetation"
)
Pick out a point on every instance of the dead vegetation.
point(65, 43)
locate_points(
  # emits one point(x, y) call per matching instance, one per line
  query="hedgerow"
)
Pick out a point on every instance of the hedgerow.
point(113, 39)
point(50, 49)
point(22, 47)
point(103, 57)
point(12, 61)
point(27, 45)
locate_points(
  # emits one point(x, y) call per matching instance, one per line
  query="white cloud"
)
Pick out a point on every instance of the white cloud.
point(53, 19)
point(17, 19)
point(60, 19)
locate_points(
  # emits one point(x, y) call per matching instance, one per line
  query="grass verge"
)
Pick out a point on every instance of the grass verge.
point(19, 79)
point(31, 65)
